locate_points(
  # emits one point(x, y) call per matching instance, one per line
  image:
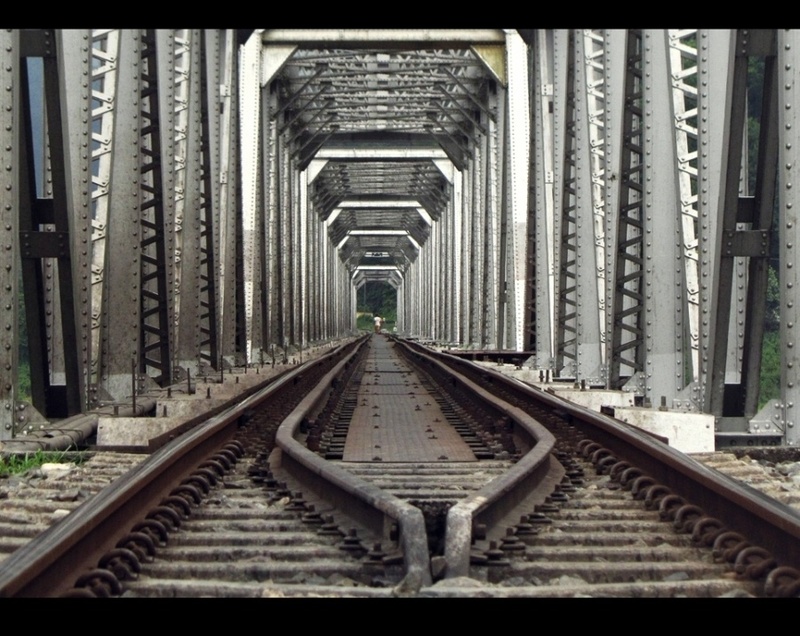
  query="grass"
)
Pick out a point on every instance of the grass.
point(20, 463)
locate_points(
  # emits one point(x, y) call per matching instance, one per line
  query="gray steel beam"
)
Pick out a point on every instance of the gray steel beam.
point(120, 259)
point(157, 207)
point(409, 38)
point(54, 227)
point(666, 319)
point(516, 169)
point(627, 224)
point(565, 256)
point(250, 121)
point(189, 212)
point(761, 228)
point(788, 126)
point(546, 112)
point(209, 214)
point(75, 73)
point(10, 184)
point(715, 51)
point(731, 151)
point(590, 225)
point(225, 172)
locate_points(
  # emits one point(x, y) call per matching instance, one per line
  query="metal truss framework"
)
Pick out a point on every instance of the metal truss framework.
point(179, 200)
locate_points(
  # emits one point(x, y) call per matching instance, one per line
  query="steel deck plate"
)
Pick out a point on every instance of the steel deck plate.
point(396, 419)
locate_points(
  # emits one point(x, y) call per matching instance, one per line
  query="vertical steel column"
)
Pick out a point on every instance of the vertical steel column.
point(627, 222)
point(226, 176)
point(467, 264)
point(761, 43)
point(503, 254)
point(422, 296)
point(105, 56)
point(312, 225)
point(282, 244)
point(590, 225)
point(215, 147)
point(566, 226)
point(75, 71)
point(156, 208)
point(326, 283)
point(180, 91)
point(10, 185)
point(450, 271)
point(547, 109)
point(293, 258)
point(270, 159)
point(491, 171)
point(118, 255)
point(346, 299)
point(446, 275)
point(249, 120)
point(788, 114)
point(302, 240)
point(55, 262)
point(732, 392)
point(479, 213)
point(458, 252)
point(686, 110)
point(666, 320)
point(715, 51)
point(517, 169)
point(433, 272)
point(726, 216)
point(188, 198)
point(209, 335)
point(401, 306)
point(413, 299)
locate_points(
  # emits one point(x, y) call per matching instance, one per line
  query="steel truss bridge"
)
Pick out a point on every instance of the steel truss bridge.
point(609, 202)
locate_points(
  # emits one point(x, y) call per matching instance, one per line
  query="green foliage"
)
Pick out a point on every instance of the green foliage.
point(770, 378)
point(364, 321)
point(376, 297)
point(16, 464)
point(23, 359)
point(772, 317)
point(24, 380)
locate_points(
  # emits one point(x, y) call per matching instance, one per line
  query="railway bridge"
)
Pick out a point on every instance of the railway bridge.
point(613, 209)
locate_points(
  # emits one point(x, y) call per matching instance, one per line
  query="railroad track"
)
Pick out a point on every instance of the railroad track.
point(556, 501)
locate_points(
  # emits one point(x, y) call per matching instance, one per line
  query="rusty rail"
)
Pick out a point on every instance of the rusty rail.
point(714, 496)
point(47, 566)
point(368, 504)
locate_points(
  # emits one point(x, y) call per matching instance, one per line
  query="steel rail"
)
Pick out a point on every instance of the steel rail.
point(530, 480)
point(364, 502)
point(49, 565)
point(765, 521)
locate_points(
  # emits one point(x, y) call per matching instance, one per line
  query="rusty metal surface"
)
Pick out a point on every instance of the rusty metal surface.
point(660, 474)
point(47, 565)
point(748, 511)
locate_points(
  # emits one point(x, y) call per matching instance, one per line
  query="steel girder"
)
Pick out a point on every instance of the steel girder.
point(639, 249)
point(516, 168)
point(250, 118)
point(116, 298)
point(54, 220)
point(649, 140)
point(665, 203)
point(9, 231)
point(788, 47)
point(135, 217)
point(180, 194)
